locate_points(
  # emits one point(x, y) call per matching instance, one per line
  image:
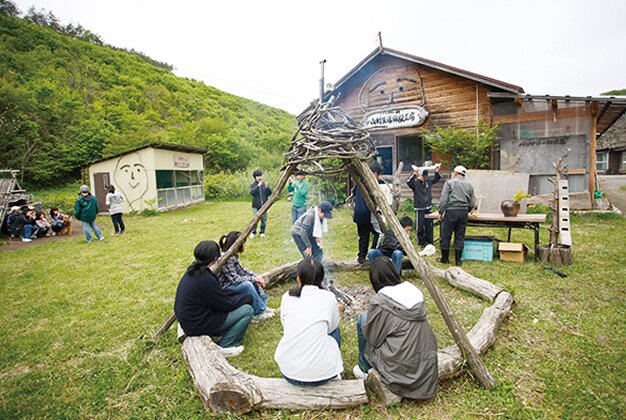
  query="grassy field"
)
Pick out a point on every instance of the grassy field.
point(76, 322)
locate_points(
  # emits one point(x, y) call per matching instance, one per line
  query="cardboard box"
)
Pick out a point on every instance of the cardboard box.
point(510, 251)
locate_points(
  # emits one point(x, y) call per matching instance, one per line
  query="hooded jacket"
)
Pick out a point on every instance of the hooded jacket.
point(86, 208)
point(401, 345)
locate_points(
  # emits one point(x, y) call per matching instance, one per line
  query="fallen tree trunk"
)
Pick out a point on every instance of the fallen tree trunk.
point(224, 389)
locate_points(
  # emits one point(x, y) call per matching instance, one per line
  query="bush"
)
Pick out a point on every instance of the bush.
point(234, 184)
point(63, 197)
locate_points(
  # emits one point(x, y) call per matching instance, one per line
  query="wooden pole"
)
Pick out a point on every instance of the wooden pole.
point(368, 201)
point(476, 364)
point(237, 244)
point(592, 152)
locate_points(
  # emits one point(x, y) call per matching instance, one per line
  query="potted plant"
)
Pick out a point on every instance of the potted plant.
point(510, 208)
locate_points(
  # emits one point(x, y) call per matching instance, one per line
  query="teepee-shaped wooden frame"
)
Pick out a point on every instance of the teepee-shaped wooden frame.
point(327, 132)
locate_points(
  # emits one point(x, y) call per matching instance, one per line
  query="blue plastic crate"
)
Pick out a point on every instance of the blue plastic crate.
point(478, 249)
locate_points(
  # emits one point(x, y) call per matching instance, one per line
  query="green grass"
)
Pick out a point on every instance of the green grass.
point(76, 322)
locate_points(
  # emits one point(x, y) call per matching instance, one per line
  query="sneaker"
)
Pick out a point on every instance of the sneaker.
point(101, 238)
point(262, 235)
point(26, 240)
point(115, 233)
point(231, 351)
point(358, 373)
point(266, 314)
point(251, 235)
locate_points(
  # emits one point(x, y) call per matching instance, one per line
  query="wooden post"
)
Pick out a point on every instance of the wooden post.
point(592, 151)
point(237, 244)
point(476, 364)
point(397, 189)
point(368, 201)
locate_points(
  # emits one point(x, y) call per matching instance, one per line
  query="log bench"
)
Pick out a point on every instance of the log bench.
point(223, 388)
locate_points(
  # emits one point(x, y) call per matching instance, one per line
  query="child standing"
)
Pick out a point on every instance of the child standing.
point(234, 276)
point(308, 353)
point(260, 192)
point(300, 189)
point(114, 202)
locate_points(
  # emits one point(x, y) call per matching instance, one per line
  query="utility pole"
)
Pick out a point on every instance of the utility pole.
point(322, 82)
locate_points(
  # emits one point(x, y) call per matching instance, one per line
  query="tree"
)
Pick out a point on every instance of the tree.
point(8, 8)
point(615, 92)
point(466, 147)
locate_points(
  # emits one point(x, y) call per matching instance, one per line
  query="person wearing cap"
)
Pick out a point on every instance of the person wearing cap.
point(457, 199)
point(260, 192)
point(308, 229)
point(86, 209)
point(365, 221)
point(421, 185)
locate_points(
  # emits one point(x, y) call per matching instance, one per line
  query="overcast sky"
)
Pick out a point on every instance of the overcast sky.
point(269, 50)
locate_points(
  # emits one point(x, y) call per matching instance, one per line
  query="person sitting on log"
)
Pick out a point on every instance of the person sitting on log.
point(43, 225)
point(391, 246)
point(203, 307)
point(308, 229)
point(234, 276)
point(308, 353)
point(395, 337)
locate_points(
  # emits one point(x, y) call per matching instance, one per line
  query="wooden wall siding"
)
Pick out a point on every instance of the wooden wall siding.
point(449, 99)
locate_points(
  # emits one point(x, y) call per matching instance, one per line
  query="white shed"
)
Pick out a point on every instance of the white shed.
point(156, 176)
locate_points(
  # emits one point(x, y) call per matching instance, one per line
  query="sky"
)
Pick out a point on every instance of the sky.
point(270, 50)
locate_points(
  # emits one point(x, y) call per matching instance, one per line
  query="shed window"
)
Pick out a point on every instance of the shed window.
point(164, 179)
point(623, 165)
point(183, 178)
point(602, 161)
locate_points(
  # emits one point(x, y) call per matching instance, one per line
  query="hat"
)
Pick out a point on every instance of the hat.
point(460, 170)
point(425, 172)
point(84, 188)
point(15, 208)
point(256, 173)
point(327, 209)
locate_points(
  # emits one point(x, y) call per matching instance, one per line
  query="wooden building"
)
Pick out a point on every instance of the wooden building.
point(400, 96)
point(611, 149)
point(157, 176)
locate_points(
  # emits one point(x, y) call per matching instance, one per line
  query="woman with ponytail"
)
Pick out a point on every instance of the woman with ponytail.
point(308, 353)
point(236, 277)
point(203, 307)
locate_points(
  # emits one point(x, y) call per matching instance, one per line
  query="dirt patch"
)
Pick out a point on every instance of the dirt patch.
point(16, 243)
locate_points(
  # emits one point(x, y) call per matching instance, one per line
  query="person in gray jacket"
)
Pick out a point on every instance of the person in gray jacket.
point(308, 229)
point(395, 337)
point(457, 199)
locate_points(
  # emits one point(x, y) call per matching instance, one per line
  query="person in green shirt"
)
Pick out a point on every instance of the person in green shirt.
point(299, 188)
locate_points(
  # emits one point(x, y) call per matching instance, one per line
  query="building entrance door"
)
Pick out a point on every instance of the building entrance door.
point(385, 158)
point(101, 180)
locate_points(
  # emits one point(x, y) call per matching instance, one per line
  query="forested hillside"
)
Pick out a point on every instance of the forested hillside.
point(65, 102)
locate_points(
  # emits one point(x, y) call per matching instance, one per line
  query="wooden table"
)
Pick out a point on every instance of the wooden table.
point(496, 220)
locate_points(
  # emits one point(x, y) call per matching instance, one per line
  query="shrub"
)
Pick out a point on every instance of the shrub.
point(234, 184)
point(63, 197)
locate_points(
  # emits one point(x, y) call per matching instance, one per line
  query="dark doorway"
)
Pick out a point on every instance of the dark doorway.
point(101, 181)
point(412, 150)
point(385, 158)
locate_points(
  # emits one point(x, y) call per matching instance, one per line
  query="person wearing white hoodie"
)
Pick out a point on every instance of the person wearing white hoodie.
point(114, 203)
point(395, 337)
